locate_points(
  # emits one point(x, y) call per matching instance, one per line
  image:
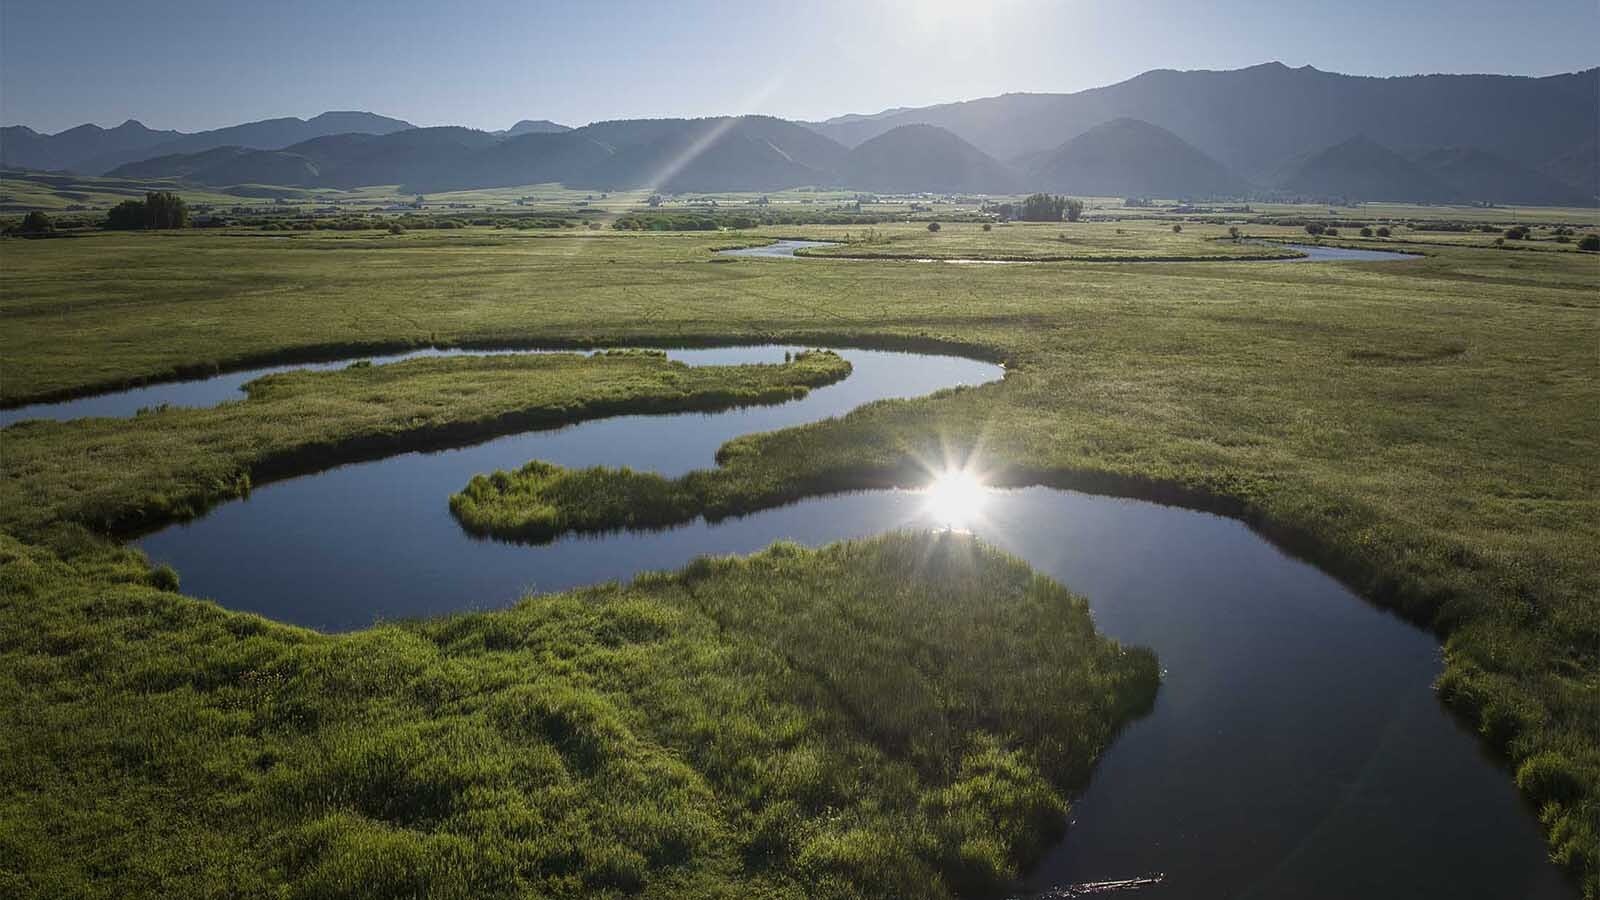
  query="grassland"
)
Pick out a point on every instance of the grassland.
point(1424, 429)
point(55, 192)
point(1076, 241)
point(117, 476)
point(880, 718)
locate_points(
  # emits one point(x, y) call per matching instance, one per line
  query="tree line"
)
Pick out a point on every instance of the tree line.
point(1038, 208)
point(158, 209)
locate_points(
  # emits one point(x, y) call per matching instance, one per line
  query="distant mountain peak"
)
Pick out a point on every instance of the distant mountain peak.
point(535, 126)
point(358, 117)
point(1360, 168)
point(1129, 157)
point(920, 157)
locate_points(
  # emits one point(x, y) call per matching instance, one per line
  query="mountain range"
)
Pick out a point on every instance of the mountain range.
point(1267, 130)
point(1254, 119)
point(92, 150)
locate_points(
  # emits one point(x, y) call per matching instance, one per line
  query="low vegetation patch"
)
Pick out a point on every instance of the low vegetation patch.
point(1040, 242)
point(119, 476)
point(903, 716)
point(542, 501)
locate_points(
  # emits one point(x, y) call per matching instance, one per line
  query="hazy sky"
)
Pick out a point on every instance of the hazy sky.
point(195, 65)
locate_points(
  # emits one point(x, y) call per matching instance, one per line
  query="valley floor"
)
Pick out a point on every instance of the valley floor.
point(1423, 429)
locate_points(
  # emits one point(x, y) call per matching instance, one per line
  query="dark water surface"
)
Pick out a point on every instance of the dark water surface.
point(1295, 750)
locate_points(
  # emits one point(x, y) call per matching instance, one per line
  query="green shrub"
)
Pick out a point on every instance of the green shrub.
point(36, 222)
point(164, 577)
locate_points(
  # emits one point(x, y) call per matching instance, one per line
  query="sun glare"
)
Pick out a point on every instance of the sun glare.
point(955, 499)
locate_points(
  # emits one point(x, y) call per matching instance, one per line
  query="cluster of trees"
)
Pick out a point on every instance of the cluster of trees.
point(158, 209)
point(1039, 208)
point(36, 223)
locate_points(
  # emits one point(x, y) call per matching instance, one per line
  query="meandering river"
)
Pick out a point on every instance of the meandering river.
point(1296, 748)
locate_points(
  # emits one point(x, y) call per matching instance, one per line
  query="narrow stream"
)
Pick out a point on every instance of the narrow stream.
point(1295, 749)
point(229, 386)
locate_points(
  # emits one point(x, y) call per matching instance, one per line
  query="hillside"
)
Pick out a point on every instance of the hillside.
point(743, 153)
point(226, 166)
point(753, 153)
point(1363, 169)
point(534, 126)
point(22, 147)
point(1256, 120)
point(1129, 158)
point(924, 157)
point(533, 158)
point(1579, 167)
point(1480, 175)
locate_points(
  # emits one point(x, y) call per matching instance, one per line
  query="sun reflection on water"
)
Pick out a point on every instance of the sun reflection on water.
point(955, 499)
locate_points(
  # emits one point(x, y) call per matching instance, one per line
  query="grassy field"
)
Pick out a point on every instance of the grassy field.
point(1061, 241)
point(901, 716)
point(55, 192)
point(116, 475)
point(1424, 428)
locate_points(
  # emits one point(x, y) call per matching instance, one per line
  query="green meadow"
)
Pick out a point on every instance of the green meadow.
point(901, 716)
point(1423, 429)
point(117, 476)
point(1060, 242)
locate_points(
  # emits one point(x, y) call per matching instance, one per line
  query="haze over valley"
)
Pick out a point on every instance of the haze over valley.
point(1266, 131)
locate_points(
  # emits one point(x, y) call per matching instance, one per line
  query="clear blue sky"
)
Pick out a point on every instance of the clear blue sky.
point(193, 65)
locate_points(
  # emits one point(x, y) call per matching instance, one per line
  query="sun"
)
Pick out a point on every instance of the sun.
point(955, 499)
